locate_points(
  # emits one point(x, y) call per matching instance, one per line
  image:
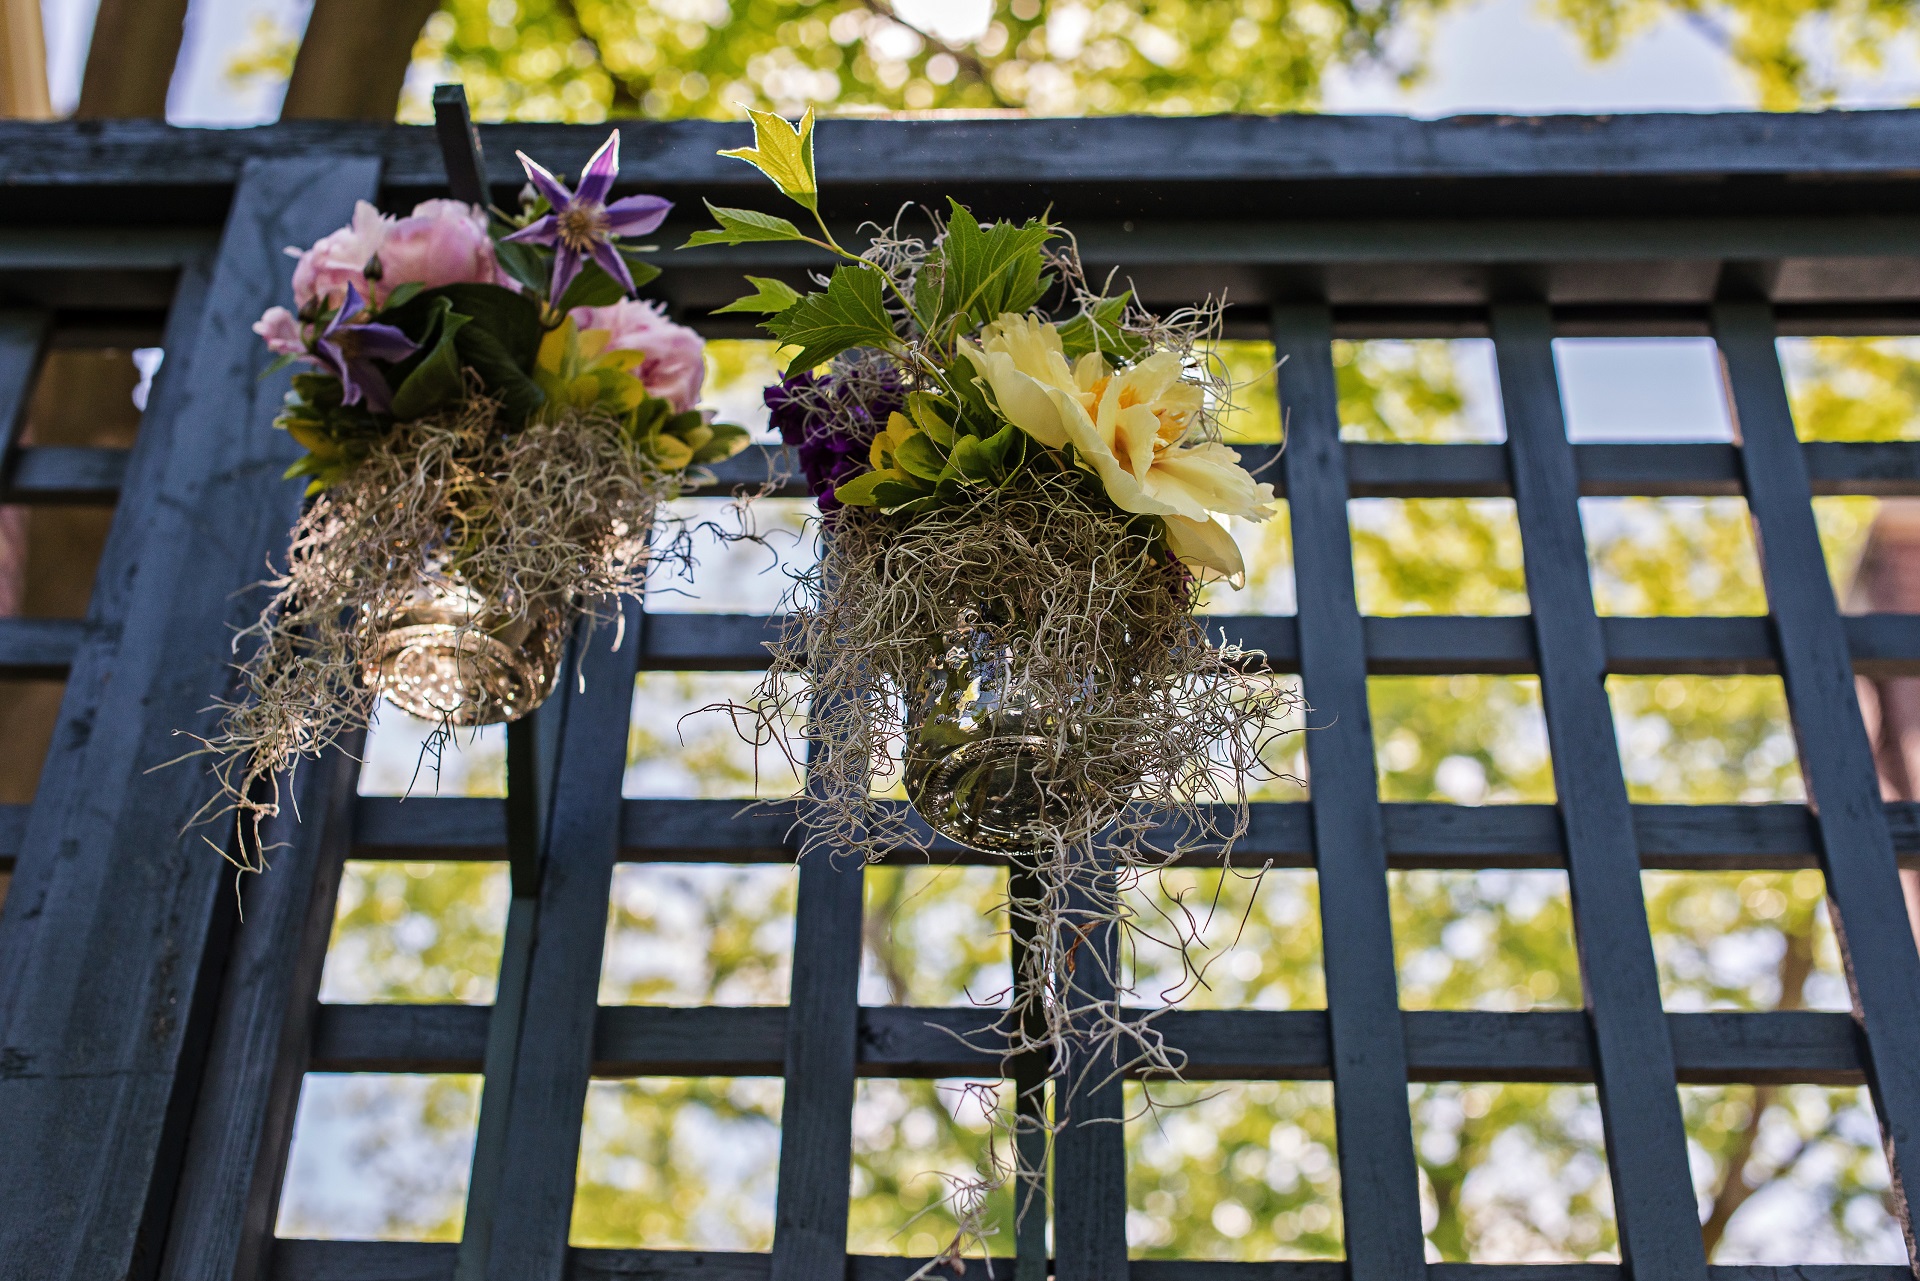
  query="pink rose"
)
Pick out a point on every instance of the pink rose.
point(281, 329)
point(443, 242)
point(340, 259)
point(675, 357)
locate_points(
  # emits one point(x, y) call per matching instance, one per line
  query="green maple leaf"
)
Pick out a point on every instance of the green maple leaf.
point(850, 312)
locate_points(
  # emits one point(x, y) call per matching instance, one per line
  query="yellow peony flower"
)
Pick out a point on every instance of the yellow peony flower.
point(1127, 427)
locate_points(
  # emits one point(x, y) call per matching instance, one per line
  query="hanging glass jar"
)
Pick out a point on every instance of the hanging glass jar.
point(455, 654)
point(997, 761)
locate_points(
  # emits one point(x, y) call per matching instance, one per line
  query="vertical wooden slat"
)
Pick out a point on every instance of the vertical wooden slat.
point(529, 1219)
point(1633, 1051)
point(23, 334)
point(1379, 1181)
point(1090, 1151)
point(243, 1123)
point(816, 1113)
point(104, 995)
point(1856, 850)
point(532, 746)
point(1030, 1252)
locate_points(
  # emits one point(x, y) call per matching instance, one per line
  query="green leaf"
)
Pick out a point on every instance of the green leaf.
point(971, 461)
point(977, 273)
point(727, 441)
point(500, 344)
point(892, 491)
point(784, 153)
point(1004, 450)
point(739, 226)
point(769, 295)
point(278, 363)
point(849, 313)
point(1099, 330)
point(917, 455)
point(592, 287)
point(435, 381)
point(401, 294)
point(859, 492)
point(525, 264)
point(924, 408)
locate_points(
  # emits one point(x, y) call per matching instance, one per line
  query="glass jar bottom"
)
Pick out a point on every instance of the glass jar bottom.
point(437, 670)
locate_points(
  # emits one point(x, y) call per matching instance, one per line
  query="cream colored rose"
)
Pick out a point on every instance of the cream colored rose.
point(1127, 427)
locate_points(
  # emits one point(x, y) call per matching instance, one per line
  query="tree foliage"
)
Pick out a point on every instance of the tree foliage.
point(582, 59)
point(588, 59)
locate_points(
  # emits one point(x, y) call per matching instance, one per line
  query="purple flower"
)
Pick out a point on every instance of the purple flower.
point(583, 223)
point(831, 425)
point(348, 352)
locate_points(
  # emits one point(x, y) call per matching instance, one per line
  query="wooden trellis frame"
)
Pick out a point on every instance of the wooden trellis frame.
point(151, 1048)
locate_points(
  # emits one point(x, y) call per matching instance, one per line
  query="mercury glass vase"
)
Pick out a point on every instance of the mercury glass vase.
point(986, 747)
point(452, 653)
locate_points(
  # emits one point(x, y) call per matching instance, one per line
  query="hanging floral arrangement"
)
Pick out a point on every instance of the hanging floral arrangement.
point(492, 422)
point(1023, 489)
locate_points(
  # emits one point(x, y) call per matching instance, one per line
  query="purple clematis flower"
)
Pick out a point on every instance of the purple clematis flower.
point(583, 223)
point(348, 352)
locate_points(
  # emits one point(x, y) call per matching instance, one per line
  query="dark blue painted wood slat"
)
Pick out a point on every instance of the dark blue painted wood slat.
point(104, 989)
point(50, 475)
point(529, 781)
point(1379, 470)
point(1883, 968)
point(1421, 645)
point(1633, 1054)
point(1222, 1045)
point(23, 332)
point(229, 1195)
point(816, 1112)
point(1090, 1151)
point(535, 1202)
point(298, 1260)
point(1379, 1182)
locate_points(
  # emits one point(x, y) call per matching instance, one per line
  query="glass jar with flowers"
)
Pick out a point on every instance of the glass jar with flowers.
point(1023, 489)
point(492, 421)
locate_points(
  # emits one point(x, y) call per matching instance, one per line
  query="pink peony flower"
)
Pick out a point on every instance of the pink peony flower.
point(675, 357)
point(281, 329)
point(340, 258)
point(443, 242)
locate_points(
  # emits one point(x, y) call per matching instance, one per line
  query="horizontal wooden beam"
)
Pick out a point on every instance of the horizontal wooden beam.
point(55, 474)
point(1419, 834)
point(309, 1260)
point(38, 648)
point(1415, 645)
point(1152, 150)
point(51, 474)
point(1219, 1045)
